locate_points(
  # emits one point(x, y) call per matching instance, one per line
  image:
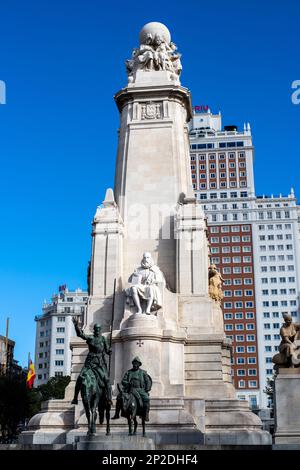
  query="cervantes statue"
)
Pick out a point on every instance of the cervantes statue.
point(145, 286)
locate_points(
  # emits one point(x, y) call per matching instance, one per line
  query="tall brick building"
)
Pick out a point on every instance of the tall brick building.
point(223, 180)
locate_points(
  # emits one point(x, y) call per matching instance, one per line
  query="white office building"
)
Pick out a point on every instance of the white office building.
point(254, 241)
point(277, 275)
point(54, 329)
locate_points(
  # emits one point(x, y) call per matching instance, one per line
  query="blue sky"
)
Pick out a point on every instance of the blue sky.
point(62, 62)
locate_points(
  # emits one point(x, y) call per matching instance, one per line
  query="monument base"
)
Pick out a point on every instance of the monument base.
point(114, 442)
point(287, 406)
point(173, 421)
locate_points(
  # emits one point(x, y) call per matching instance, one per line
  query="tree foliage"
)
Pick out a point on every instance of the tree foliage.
point(54, 388)
point(18, 404)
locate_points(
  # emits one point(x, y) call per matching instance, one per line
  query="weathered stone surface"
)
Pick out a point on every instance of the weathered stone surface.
point(287, 406)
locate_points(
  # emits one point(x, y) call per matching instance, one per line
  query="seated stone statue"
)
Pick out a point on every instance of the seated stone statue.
point(288, 349)
point(215, 281)
point(145, 280)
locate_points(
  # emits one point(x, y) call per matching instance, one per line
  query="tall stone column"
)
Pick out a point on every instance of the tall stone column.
point(152, 167)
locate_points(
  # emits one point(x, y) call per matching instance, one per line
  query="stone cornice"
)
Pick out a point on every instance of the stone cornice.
point(170, 92)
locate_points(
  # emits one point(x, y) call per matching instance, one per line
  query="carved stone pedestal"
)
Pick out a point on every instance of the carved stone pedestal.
point(287, 406)
point(114, 442)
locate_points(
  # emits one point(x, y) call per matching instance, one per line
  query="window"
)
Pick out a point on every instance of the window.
point(228, 316)
point(241, 372)
point(249, 315)
point(239, 326)
point(241, 360)
point(252, 383)
point(237, 270)
point(241, 383)
point(59, 363)
point(228, 327)
point(240, 349)
point(251, 360)
point(227, 293)
point(227, 304)
point(61, 319)
point(239, 338)
point(226, 270)
point(60, 329)
point(59, 351)
point(60, 340)
point(250, 337)
point(238, 293)
point(251, 349)
point(252, 372)
point(247, 269)
point(250, 326)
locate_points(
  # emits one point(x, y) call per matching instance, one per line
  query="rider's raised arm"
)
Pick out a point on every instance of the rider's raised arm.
point(80, 333)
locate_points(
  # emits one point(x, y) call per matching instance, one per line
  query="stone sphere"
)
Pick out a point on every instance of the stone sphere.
point(155, 28)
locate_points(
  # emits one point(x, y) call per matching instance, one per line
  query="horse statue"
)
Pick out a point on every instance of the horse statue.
point(130, 409)
point(94, 398)
point(93, 381)
point(133, 398)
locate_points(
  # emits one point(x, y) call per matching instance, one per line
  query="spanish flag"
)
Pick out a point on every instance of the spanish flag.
point(30, 375)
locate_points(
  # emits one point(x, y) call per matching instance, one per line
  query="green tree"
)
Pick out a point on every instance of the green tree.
point(18, 404)
point(54, 388)
point(14, 405)
point(269, 390)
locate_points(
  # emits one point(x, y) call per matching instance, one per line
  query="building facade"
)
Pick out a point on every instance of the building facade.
point(240, 245)
point(6, 355)
point(277, 276)
point(54, 329)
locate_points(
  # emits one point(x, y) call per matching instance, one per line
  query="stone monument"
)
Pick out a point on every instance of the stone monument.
point(287, 384)
point(167, 308)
